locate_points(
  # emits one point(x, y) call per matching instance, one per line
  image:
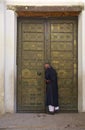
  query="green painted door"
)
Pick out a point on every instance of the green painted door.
point(46, 40)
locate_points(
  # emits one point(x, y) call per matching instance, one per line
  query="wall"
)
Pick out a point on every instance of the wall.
point(44, 2)
point(10, 60)
point(8, 42)
point(2, 53)
point(81, 62)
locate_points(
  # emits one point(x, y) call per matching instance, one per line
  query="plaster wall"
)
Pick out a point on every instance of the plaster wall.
point(2, 54)
point(10, 61)
point(81, 62)
point(45, 2)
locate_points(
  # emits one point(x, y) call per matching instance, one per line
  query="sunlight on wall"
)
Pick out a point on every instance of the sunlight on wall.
point(44, 2)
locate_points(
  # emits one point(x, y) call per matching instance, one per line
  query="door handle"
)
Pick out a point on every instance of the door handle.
point(39, 73)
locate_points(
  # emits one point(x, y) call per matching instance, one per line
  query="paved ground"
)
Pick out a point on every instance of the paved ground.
point(60, 121)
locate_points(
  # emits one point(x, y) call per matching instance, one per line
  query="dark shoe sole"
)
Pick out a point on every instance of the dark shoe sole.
point(50, 113)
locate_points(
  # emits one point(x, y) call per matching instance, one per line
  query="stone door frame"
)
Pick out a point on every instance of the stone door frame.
point(11, 55)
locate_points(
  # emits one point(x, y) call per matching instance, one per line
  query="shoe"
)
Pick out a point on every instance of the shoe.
point(57, 109)
point(50, 113)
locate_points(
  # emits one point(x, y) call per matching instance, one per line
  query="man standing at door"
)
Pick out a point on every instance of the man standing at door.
point(51, 89)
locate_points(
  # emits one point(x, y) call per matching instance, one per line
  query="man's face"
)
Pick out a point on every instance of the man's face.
point(47, 66)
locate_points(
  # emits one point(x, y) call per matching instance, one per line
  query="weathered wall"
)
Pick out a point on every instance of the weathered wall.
point(8, 42)
point(81, 62)
point(2, 53)
point(10, 61)
point(44, 2)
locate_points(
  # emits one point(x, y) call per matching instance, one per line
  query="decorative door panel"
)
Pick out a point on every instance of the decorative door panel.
point(40, 41)
point(31, 88)
point(63, 42)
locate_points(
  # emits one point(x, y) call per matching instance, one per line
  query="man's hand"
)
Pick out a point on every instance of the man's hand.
point(48, 81)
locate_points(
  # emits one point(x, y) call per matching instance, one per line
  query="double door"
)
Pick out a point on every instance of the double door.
point(40, 41)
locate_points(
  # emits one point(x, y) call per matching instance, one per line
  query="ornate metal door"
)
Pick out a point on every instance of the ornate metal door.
point(46, 40)
point(31, 55)
point(63, 44)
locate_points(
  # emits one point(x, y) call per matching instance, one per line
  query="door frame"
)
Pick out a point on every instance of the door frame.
point(12, 15)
